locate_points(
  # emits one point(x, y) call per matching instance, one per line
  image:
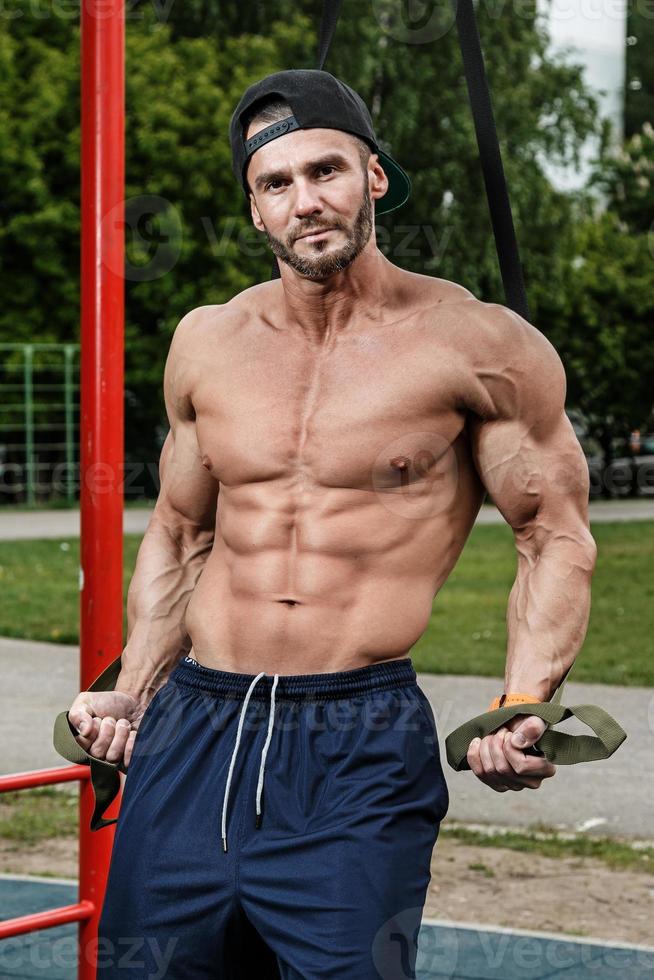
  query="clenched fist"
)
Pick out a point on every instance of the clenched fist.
point(107, 722)
point(499, 759)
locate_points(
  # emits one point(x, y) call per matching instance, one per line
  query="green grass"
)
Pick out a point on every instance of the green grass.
point(466, 633)
point(616, 854)
point(28, 816)
point(39, 585)
point(467, 630)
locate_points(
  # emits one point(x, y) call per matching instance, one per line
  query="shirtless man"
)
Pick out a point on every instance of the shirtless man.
point(332, 435)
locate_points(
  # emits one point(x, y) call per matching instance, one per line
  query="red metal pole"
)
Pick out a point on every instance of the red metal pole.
point(42, 777)
point(46, 920)
point(66, 913)
point(101, 409)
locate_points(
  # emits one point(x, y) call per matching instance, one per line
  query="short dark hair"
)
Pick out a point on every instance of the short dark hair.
point(272, 109)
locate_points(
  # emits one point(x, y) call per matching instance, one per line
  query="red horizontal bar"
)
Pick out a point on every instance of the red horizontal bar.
point(47, 919)
point(41, 777)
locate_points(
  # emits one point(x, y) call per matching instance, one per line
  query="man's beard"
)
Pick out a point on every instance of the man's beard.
point(320, 266)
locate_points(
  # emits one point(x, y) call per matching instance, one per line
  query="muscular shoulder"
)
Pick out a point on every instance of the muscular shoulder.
point(184, 360)
point(514, 369)
point(425, 292)
point(195, 334)
point(198, 337)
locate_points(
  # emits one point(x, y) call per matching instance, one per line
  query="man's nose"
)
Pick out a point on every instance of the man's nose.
point(307, 199)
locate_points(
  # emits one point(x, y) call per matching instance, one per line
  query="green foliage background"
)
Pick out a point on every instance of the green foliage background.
point(589, 274)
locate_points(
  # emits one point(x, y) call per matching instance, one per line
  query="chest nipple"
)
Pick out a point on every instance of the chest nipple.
point(401, 464)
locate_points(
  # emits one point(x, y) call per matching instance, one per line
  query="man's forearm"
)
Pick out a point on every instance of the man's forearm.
point(548, 611)
point(169, 563)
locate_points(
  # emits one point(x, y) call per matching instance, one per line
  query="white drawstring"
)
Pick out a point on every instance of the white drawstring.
point(263, 753)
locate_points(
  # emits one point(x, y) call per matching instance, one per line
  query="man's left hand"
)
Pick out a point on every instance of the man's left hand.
point(502, 764)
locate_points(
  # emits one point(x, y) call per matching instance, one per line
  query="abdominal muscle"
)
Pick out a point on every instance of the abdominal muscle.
point(320, 594)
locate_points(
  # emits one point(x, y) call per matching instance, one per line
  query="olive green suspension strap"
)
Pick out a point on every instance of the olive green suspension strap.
point(105, 776)
point(561, 748)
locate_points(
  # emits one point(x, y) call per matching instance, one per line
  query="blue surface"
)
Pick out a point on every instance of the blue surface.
point(48, 953)
point(455, 953)
point(444, 952)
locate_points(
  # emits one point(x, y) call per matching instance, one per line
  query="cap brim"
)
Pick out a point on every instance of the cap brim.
point(399, 185)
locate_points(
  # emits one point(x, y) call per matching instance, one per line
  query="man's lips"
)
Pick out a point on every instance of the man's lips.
point(315, 233)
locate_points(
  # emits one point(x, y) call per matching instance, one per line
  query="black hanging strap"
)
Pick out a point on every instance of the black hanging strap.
point(489, 148)
point(331, 10)
point(491, 159)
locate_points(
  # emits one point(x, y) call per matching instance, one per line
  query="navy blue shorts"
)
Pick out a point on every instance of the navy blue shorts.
point(275, 827)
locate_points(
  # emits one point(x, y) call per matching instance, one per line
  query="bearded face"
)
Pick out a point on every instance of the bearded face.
point(334, 244)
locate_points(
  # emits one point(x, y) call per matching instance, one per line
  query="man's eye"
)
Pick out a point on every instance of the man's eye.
point(328, 169)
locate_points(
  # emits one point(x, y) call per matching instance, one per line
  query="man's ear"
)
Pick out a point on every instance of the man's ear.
point(256, 217)
point(379, 183)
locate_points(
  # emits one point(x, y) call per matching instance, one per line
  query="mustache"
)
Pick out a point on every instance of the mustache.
point(308, 229)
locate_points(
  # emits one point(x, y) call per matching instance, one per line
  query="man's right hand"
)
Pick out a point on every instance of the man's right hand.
point(107, 722)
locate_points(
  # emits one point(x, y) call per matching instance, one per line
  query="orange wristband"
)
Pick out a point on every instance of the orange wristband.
point(506, 700)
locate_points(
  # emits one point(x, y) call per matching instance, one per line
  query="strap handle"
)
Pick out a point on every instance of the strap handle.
point(105, 777)
point(560, 748)
point(331, 10)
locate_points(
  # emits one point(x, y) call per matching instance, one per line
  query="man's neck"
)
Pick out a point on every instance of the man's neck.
point(319, 310)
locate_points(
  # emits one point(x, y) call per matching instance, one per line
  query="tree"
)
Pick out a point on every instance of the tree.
point(604, 332)
point(639, 88)
point(189, 236)
point(626, 177)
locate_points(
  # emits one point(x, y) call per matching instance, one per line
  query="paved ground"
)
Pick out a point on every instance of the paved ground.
point(609, 797)
point(41, 679)
point(16, 524)
point(446, 950)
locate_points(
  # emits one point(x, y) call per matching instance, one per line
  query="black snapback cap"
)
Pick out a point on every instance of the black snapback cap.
point(318, 100)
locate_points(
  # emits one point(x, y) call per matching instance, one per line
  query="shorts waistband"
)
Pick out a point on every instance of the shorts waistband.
point(296, 687)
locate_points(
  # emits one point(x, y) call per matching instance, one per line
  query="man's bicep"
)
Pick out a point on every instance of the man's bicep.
point(533, 479)
point(188, 492)
point(529, 457)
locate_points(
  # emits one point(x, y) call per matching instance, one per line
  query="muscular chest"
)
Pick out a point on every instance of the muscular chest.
point(370, 415)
